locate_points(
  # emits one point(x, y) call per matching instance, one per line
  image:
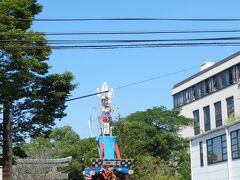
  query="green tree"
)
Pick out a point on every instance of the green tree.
point(154, 134)
point(149, 167)
point(63, 142)
point(32, 96)
point(67, 143)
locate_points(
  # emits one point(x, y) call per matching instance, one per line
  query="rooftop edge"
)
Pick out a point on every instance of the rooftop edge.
point(207, 69)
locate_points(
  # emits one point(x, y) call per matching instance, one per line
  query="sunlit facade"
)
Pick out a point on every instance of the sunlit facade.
point(212, 98)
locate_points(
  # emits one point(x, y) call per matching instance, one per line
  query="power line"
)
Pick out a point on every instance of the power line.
point(155, 45)
point(157, 77)
point(136, 83)
point(125, 19)
point(119, 41)
point(125, 32)
point(89, 95)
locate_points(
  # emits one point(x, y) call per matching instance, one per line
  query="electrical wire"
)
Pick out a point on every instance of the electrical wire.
point(124, 32)
point(118, 41)
point(89, 95)
point(136, 83)
point(125, 19)
point(157, 77)
point(155, 45)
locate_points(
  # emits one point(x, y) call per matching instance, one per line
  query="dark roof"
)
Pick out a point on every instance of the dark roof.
point(208, 69)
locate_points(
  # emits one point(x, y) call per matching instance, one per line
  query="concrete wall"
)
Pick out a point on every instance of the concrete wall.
point(209, 100)
point(0, 173)
point(220, 95)
point(224, 170)
point(235, 163)
point(229, 169)
point(210, 172)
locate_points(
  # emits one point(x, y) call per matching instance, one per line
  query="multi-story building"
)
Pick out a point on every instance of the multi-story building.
point(212, 98)
point(0, 164)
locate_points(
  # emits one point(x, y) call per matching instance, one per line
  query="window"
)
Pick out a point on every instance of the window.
point(218, 113)
point(235, 144)
point(210, 84)
point(1, 158)
point(207, 86)
point(230, 106)
point(196, 122)
point(238, 71)
point(206, 112)
point(217, 149)
point(225, 78)
point(219, 81)
point(216, 82)
point(201, 153)
point(196, 91)
point(188, 93)
point(181, 98)
point(202, 89)
point(233, 74)
point(175, 100)
point(193, 93)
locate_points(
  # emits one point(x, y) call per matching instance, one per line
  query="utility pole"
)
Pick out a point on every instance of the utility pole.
point(7, 141)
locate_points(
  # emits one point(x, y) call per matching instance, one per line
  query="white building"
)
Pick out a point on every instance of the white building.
point(0, 165)
point(212, 98)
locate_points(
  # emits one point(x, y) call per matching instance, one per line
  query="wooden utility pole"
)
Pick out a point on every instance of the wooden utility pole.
point(7, 141)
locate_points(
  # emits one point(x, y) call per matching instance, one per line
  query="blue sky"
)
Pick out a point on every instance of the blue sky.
point(123, 66)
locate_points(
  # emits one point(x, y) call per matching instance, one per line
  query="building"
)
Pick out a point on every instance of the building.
point(212, 98)
point(32, 169)
point(0, 164)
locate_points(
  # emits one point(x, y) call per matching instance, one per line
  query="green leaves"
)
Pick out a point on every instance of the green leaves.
point(63, 142)
point(161, 118)
point(37, 98)
point(12, 10)
point(43, 102)
point(152, 136)
point(149, 167)
point(158, 152)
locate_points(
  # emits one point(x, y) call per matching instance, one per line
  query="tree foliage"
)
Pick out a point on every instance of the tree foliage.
point(64, 142)
point(149, 137)
point(153, 134)
point(149, 167)
point(37, 98)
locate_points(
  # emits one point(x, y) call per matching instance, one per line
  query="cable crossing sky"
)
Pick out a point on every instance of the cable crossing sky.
point(136, 83)
point(128, 19)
